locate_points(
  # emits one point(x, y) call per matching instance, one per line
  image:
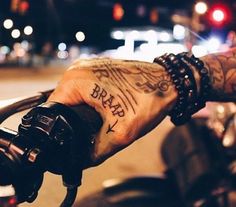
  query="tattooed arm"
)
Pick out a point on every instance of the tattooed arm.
point(222, 69)
point(133, 97)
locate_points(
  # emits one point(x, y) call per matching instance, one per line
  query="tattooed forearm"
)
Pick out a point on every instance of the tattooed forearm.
point(222, 70)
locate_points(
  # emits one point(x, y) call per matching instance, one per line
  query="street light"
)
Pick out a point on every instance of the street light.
point(8, 24)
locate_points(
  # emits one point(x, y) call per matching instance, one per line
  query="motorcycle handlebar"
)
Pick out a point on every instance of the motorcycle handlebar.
point(51, 137)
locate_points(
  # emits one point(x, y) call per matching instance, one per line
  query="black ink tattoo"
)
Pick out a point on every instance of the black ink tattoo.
point(111, 127)
point(107, 100)
point(128, 100)
point(222, 70)
point(131, 95)
point(122, 100)
point(140, 78)
point(101, 73)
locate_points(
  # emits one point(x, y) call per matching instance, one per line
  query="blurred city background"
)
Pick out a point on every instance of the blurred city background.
point(47, 32)
point(40, 39)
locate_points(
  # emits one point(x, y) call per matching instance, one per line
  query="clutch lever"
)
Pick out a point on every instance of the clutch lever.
point(9, 107)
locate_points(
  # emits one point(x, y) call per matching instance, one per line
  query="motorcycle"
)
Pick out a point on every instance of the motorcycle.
point(200, 158)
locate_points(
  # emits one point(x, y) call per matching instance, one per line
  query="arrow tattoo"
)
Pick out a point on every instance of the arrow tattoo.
point(110, 127)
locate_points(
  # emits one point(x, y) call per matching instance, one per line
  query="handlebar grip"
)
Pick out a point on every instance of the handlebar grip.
point(89, 123)
point(83, 123)
point(51, 137)
point(81, 117)
point(76, 126)
point(90, 116)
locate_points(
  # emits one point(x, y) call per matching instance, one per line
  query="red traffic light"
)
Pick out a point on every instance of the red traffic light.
point(118, 12)
point(219, 15)
point(24, 6)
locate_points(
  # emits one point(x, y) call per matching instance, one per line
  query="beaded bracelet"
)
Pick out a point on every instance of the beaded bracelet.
point(173, 72)
point(180, 115)
point(204, 79)
point(189, 100)
point(185, 85)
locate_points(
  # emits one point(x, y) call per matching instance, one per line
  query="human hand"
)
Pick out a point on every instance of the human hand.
point(132, 97)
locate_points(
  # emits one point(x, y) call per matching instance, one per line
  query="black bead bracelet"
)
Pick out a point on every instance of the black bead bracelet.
point(185, 85)
point(204, 79)
point(180, 68)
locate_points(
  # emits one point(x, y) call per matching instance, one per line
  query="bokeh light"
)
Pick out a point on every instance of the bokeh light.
point(201, 7)
point(8, 24)
point(62, 46)
point(179, 32)
point(118, 35)
point(80, 36)
point(4, 50)
point(62, 54)
point(218, 15)
point(164, 36)
point(15, 33)
point(28, 30)
point(213, 44)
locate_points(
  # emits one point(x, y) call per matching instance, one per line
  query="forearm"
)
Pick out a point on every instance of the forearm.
point(222, 71)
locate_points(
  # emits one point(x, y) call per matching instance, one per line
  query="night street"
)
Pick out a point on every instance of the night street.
point(139, 63)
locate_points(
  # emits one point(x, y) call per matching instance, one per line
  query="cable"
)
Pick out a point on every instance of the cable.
point(70, 197)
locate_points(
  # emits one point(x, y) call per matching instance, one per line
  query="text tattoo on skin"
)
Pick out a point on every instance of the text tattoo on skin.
point(107, 100)
point(141, 78)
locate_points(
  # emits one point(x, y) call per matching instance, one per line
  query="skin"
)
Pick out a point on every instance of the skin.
point(133, 97)
point(222, 70)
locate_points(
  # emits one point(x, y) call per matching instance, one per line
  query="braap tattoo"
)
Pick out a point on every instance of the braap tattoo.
point(139, 77)
point(107, 100)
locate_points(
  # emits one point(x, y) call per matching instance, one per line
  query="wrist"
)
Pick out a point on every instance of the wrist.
point(191, 81)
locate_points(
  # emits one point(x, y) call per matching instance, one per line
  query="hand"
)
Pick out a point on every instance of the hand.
point(132, 98)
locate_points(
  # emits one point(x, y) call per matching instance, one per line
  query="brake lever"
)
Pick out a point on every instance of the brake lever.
point(9, 107)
